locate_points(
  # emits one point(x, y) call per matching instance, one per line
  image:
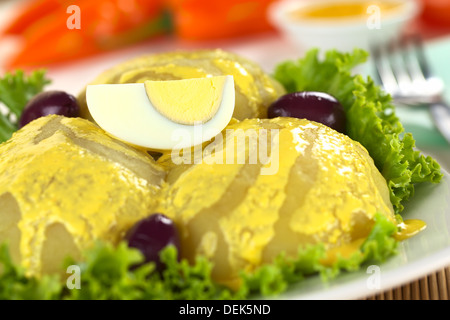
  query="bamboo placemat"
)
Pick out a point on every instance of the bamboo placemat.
point(435, 286)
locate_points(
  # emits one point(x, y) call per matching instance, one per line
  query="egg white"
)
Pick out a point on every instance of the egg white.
point(125, 112)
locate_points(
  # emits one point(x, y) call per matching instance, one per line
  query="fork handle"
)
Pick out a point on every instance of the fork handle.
point(440, 112)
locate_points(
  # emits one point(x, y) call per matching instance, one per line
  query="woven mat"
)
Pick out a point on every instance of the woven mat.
point(435, 286)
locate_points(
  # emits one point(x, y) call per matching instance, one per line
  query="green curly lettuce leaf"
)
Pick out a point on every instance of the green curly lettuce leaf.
point(371, 118)
point(15, 285)
point(16, 89)
point(109, 273)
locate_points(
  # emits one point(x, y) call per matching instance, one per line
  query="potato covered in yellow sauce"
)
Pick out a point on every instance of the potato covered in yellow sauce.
point(309, 185)
point(64, 183)
point(255, 90)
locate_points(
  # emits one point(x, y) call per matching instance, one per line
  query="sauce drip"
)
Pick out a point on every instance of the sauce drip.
point(344, 251)
point(348, 9)
point(409, 228)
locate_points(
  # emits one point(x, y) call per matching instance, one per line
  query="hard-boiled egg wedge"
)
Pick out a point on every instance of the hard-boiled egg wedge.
point(163, 115)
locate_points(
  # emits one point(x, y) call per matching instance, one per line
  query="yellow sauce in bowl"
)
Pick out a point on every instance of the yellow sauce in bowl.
point(343, 9)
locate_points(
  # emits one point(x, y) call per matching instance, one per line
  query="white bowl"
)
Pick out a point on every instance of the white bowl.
point(343, 34)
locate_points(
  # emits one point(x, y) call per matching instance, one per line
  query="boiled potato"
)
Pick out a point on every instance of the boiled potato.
point(255, 90)
point(316, 186)
point(64, 183)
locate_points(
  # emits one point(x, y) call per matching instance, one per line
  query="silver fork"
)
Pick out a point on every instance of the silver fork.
point(403, 71)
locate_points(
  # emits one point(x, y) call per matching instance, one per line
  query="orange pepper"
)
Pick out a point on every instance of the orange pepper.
point(31, 11)
point(205, 19)
point(104, 25)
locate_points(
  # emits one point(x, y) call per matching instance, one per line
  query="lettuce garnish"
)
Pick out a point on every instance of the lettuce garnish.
point(16, 89)
point(371, 118)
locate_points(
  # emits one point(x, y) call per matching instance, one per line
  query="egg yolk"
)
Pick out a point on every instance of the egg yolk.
point(200, 102)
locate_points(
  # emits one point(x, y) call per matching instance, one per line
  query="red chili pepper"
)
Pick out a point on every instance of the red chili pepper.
point(104, 25)
point(31, 11)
